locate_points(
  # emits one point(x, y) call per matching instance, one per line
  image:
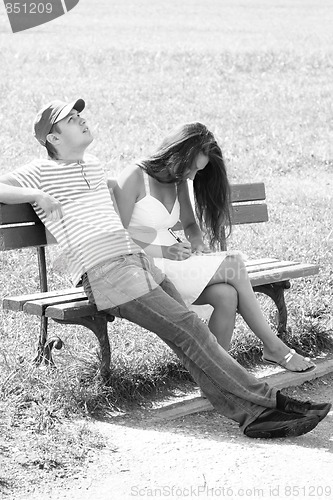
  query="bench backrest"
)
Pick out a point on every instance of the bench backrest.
point(244, 212)
point(20, 227)
point(248, 207)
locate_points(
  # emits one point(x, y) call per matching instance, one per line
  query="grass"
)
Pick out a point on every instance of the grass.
point(259, 75)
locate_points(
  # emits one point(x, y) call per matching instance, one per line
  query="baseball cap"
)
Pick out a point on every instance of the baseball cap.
point(52, 113)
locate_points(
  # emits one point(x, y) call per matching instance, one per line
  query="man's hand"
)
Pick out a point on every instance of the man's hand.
point(49, 205)
point(11, 193)
point(178, 251)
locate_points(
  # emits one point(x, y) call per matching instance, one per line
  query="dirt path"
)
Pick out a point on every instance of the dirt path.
point(205, 456)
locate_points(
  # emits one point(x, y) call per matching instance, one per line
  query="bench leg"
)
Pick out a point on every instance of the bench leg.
point(44, 349)
point(41, 341)
point(276, 292)
point(98, 325)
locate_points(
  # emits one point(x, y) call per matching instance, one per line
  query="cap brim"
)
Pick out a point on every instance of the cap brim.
point(78, 105)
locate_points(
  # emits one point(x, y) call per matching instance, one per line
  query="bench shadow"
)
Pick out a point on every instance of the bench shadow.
point(210, 425)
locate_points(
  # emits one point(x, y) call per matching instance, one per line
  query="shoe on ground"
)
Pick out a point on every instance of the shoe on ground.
point(276, 424)
point(290, 405)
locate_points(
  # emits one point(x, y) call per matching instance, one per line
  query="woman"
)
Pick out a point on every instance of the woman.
point(153, 195)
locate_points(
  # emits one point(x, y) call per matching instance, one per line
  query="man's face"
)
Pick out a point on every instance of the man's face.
point(74, 130)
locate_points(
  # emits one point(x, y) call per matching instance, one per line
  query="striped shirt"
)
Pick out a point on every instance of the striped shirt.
point(90, 230)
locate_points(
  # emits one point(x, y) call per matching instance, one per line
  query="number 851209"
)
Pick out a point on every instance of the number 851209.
point(29, 8)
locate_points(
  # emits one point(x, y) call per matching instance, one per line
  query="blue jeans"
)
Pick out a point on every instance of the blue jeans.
point(228, 386)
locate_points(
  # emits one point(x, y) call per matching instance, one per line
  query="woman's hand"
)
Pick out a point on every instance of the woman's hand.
point(178, 251)
point(198, 246)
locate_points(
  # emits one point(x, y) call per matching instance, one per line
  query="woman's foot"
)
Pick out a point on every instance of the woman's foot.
point(288, 359)
point(202, 394)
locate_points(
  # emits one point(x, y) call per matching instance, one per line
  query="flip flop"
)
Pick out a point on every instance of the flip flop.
point(285, 360)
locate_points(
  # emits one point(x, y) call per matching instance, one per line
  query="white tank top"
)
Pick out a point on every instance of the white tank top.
point(151, 219)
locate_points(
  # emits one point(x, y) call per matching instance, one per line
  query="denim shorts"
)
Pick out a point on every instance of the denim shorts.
point(121, 279)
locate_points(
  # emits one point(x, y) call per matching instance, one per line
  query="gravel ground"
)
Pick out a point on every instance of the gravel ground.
point(204, 455)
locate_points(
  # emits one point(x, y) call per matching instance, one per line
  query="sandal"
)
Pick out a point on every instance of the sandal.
point(285, 360)
point(202, 394)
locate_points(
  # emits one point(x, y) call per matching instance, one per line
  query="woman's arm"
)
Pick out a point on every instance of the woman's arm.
point(111, 183)
point(191, 228)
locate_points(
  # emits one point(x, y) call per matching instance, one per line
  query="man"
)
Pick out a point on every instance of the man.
point(70, 195)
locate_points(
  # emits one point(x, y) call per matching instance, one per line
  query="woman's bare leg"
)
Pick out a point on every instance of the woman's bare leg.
point(224, 299)
point(232, 271)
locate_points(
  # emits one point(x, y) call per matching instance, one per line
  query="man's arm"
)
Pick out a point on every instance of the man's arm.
point(11, 193)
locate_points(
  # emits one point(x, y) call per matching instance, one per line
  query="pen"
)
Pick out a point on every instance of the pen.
point(174, 235)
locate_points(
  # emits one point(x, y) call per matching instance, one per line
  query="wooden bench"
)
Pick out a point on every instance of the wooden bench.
point(21, 228)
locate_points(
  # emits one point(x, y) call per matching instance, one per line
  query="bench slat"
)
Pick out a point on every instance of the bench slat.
point(242, 214)
point(24, 236)
point(17, 303)
point(37, 307)
point(271, 266)
point(255, 262)
point(16, 214)
point(248, 192)
point(283, 274)
point(249, 214)
point(72, 311)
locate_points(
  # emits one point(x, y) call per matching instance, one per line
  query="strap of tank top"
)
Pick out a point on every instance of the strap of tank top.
point(146, 181)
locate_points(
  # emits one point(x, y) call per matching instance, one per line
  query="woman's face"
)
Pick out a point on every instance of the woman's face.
point(200, 162)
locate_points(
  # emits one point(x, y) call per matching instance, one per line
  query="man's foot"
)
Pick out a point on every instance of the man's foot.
point(275, 424)
point(291, 361)
point(290, 405)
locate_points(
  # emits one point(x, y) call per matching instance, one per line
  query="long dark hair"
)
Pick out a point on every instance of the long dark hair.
point(174, 158)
